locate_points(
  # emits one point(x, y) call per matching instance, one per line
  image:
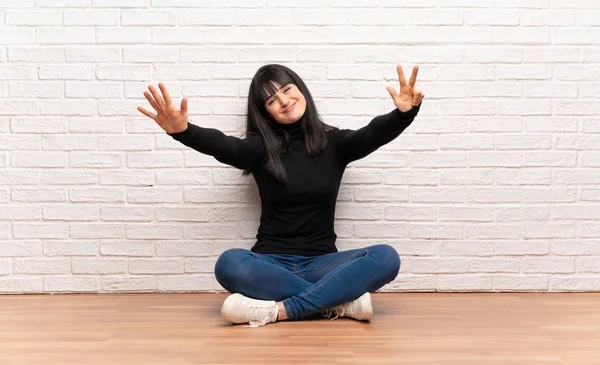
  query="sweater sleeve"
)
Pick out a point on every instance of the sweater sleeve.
point(356, 144)
point(245, 153)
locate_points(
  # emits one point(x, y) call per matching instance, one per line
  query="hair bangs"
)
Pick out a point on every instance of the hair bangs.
point(267, 84)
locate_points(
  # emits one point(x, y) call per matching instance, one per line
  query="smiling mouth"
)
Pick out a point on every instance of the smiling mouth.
point(289, 108)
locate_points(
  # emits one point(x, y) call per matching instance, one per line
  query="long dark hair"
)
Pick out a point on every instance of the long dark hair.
point(260, 122)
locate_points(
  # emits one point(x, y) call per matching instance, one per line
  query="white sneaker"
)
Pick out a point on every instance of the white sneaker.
point(241, 309)
point(360, 308)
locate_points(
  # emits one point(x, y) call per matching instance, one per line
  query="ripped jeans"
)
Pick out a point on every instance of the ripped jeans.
point(307, 284)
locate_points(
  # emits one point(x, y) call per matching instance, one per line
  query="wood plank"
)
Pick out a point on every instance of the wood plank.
point(407, 328)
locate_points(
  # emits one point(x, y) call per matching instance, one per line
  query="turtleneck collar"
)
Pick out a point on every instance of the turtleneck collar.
point(293, 128)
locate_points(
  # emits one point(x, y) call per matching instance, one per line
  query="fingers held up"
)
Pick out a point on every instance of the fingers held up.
point(413, 77)
point(408, 96)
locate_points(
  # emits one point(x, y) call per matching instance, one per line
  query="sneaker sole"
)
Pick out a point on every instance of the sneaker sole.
point(366, 302)
point(229, 301)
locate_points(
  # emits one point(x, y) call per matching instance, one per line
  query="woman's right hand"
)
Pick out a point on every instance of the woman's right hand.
point(167, 116)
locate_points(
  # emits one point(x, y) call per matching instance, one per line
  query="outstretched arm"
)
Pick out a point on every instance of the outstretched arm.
point(355, 144)
point(241, 153)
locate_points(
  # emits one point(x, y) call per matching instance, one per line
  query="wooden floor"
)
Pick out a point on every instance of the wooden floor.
point(172, 329)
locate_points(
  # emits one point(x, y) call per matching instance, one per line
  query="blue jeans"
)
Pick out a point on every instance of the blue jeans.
point(307, 284)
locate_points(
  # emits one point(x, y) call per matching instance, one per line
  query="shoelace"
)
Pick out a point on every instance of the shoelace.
point(338, 311)
point(257, 317)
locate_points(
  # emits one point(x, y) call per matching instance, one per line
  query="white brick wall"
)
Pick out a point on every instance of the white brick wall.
point(493, 188)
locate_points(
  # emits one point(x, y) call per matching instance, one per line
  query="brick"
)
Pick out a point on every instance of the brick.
point(575, 248)
point(39, 195)
point(200, 265)
point(179, 214)
point(211, 231)
point(95, 266)
point(128, 213)
point(63, 3)
point(549, 230)
point(549, 159)
point(471, 176)
point(448, 124)
point(152, 231)
point(20, 248)
point(466, 248)
point(70, 248)
point(69, 143)
point(183, 177)
point(319, 35)
point(35, 266)
point(76, 89)
point(569, 177)
point(374, 194)
point(95, 53)
point(548, 265)
point(437, 265)
point(493, 265)
point(96, 230)
point(155, 266)
point(20, 285)
point(64, 35)
point(93, 17)
point(185, 248)
point(40, 230)
point(96, 194)
point(66, 177)
point(588, 265)
point(522, 214)
point(124, 284)
point(548, 195)
point(124, 35)
point(522, 248)
point(123, 177)
point(519, 283)
point(466, 213)
point(547, 18)
point(73, 284)
point(536, 4)
point(410, 213)
point(211, 195)
point(494, 159)
point(435, 231)
point(380, 230)
point(523, 142)
point(492, 231)
point(543, 54)
point(19, 142)
point(127, 248)
point(438, 195)
point(491, 17)
point(521, 35)
point(70, 213)
point(18, 35)
point(412, 283)
point(185, 283)
point(143, 17)
point(574, 283)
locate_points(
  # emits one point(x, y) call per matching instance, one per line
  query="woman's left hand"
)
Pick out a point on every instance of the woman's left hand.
point(409, 96)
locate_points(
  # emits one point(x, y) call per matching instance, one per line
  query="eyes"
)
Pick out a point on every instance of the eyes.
point(285, 91)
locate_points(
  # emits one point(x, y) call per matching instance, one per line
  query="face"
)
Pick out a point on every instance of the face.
point(287, 105)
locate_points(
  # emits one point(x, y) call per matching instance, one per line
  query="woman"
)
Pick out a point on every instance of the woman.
point(294, 269)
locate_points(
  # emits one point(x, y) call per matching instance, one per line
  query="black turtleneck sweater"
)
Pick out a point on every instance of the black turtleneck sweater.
point(298, 217)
